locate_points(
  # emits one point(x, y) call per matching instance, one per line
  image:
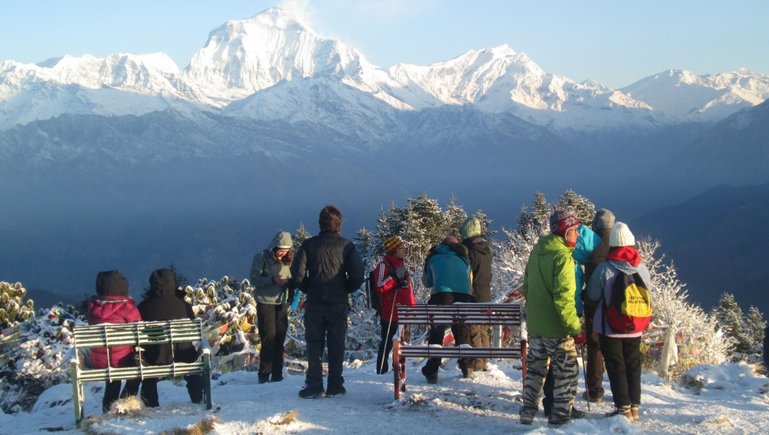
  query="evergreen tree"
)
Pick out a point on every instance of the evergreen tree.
point(577, 204)
point(485, 224)
point(730, 317)
point(422, 225)
point(300, 236)
point(364, 241)
point(453, 217)
point(389, 223)
point(755, 326)
point(534, 221)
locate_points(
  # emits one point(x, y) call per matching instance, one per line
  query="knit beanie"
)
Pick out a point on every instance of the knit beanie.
point(602, 222)
point(621, 235)
point(561, 221)
point(391, 244)
point(470, 228)
point(111, 283)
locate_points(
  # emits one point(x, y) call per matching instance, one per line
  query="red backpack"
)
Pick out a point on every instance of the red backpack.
point(630, 309)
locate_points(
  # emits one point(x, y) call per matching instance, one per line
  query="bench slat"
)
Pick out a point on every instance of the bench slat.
point(459, 352)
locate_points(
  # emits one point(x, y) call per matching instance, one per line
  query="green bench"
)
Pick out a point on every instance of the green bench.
point(137, 334)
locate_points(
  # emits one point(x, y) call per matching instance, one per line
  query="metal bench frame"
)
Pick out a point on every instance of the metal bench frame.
point(138, 334)
point(459, 313)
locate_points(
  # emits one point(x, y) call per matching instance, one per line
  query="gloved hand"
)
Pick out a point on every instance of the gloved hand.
point(579, 339)
point(401, 273)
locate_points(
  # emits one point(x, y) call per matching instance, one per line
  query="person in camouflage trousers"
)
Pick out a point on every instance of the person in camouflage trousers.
point(549, 287)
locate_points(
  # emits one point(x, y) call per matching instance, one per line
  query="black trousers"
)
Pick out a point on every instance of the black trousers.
point(149, 390)
point(385, 345)
point(325, 324)
point(272, 321)
point(623, 364)
point(461, 334)
point(594, 364)
point(112, 392)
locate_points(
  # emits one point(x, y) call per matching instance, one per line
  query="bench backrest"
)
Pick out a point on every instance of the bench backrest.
point(468, 313)
point(138, 333)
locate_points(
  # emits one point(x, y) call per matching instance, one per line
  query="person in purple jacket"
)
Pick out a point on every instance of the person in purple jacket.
point(111, 304)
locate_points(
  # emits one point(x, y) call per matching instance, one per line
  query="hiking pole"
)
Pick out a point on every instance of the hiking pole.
point(584, 372)
point(389, 325)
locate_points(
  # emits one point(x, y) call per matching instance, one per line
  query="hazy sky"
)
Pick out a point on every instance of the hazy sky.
point(613, 42)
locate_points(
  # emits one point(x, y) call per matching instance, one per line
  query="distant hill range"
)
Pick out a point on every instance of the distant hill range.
point(718, 242)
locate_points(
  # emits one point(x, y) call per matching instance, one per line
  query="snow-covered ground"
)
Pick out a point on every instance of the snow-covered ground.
point(733, 399)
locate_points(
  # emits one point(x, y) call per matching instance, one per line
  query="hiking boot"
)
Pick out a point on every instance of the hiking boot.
point(432, 378)
point(625, 412)
point(311, 393)
point(335, 391)
point(264, 378)
point(526, 415)
point(382, 370)
point(597, 399)
point(277, 377)
point(634, 413)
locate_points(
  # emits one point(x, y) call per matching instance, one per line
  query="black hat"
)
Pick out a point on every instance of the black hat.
point(111, 283)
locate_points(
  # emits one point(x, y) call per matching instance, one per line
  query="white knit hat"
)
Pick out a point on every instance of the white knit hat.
point(621, 235)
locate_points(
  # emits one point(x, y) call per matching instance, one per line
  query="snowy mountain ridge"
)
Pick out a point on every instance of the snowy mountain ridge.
point(245, 57)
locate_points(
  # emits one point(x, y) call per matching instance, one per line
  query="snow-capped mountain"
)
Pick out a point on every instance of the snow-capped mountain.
point(244, 58)
point(684, 95)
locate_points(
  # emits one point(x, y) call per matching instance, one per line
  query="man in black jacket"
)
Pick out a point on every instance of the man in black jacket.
point(327, 268)
point(162, 302)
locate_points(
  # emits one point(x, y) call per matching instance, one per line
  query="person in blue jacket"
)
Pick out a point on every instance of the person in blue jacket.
point(448, 275)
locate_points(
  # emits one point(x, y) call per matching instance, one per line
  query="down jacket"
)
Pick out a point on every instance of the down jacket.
point(162, 302)
point(264, 267)
point(112, 305)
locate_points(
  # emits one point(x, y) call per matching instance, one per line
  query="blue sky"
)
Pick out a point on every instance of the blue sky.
point(613, 42)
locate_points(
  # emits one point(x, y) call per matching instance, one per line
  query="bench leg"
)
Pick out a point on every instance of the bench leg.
point(77, 394)
point(397, 368)
point(207, 380)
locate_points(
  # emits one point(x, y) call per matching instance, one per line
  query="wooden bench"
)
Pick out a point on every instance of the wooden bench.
point(137, 334)
point(461, 314)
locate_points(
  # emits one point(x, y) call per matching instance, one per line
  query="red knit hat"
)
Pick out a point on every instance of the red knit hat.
point(561, 220)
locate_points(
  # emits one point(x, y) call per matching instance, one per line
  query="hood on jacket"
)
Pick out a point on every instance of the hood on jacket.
point(470, 228)
point(162, 283)
point(602, 223)
point(451, 248)
point(550, 243)
point(282, 239)
point(111, 283)
point(478, 245)
point(587, 241)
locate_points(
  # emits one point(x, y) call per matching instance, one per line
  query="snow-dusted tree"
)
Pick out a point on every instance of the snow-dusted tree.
point(34, 356)
point(300, 236)
point(389, 223)
point(365, 243)
point(731, 319)
point(577, 204)
point(453, 217)
point(694, 333)
point(485, 224)
point(422, 225)
point(534, 221)
point(509, 261)
point(13, 308)
point(755, 325)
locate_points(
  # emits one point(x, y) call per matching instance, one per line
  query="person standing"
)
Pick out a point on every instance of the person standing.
point(270, 275)
point(479, 253)
point(621, 351)
point(393, 285)
point(447, 273)
point(111, 304)
point(594, 366)
point(163, 302)
point(327, 268)
point(549, 288)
